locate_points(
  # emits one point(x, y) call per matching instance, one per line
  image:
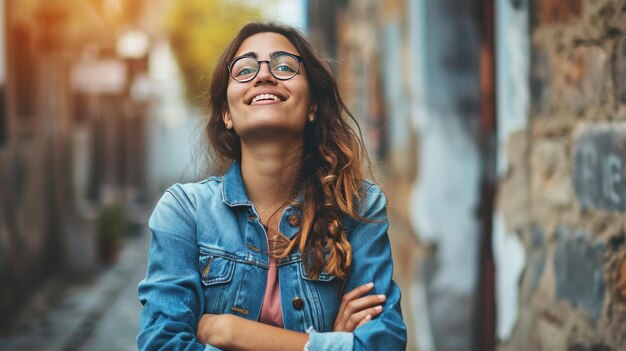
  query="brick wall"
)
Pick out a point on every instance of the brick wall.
point(568, 201)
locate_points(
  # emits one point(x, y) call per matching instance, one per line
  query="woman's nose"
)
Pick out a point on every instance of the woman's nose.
point(264, 74)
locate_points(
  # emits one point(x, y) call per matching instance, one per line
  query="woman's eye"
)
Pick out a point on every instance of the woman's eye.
point(283, 68)
point(245, 71)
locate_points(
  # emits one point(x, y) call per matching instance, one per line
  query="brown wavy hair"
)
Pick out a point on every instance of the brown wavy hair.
point(332, 173)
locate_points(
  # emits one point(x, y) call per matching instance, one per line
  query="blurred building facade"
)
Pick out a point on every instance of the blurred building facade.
point(72, 136)
point(498, 132)
point(559, 227)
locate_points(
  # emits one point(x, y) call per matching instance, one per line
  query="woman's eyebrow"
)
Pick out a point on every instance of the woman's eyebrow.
point(250, 53)
point(272, 54)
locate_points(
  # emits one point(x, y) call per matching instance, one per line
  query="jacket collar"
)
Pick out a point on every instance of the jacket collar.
point(234, 194)
point(233, 188)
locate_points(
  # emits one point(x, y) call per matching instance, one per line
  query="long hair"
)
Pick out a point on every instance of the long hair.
point(331, 178)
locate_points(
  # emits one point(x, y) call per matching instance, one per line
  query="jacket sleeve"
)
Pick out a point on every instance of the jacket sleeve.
point(371, 262)
point(171, 293)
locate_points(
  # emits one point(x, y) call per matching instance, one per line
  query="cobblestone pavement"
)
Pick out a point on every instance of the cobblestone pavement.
point(101, 313)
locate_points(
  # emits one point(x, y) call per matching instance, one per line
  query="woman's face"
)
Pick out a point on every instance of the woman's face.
point(284, 106)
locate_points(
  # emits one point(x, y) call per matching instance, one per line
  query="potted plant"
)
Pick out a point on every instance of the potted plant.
point(111, 229)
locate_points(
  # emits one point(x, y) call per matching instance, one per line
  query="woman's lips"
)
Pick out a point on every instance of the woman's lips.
point(265, 102)
point(266, 98)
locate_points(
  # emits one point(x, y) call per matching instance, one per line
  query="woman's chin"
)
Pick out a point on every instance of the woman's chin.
point(271, 127)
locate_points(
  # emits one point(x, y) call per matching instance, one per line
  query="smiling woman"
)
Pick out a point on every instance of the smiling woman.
point(288, 250)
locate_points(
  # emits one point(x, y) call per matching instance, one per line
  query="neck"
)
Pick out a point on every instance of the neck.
point(269, 171)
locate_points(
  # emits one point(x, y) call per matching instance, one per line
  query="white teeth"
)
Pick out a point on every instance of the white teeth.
point(265, 97)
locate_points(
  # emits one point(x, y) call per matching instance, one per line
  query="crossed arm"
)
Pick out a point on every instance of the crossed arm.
point(235, 333)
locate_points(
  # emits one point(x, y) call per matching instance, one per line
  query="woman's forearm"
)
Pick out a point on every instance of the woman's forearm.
point(238, 334)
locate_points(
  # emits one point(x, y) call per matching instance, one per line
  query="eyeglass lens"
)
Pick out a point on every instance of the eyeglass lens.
point(281, 66)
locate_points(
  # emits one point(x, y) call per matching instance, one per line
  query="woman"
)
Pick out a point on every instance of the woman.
point(289, 249)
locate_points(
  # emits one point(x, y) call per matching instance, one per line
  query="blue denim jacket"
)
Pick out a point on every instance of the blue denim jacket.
point(209, 255)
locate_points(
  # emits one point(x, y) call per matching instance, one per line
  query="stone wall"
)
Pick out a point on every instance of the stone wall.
point(564, 193)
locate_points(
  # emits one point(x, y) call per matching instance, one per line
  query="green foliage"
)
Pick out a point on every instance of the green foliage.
point(199, 30)
point(111, 229)
point(111, 222)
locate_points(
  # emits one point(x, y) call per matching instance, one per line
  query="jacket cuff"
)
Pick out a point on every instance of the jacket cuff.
point(332, 341)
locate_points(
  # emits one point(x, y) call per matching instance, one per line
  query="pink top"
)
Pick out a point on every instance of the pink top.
point(271, 312)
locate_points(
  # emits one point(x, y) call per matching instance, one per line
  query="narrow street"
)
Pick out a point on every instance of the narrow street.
point(495, 128)
point(96, 314)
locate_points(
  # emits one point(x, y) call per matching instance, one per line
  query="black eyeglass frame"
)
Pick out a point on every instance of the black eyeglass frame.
point(276, 54)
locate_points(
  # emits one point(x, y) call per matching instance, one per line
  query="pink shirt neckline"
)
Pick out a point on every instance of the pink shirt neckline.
point(271, 310)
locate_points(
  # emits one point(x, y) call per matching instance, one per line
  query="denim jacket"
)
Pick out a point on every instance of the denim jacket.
point(209, 255)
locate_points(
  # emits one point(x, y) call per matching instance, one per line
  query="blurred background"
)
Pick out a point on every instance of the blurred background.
point(497, 129)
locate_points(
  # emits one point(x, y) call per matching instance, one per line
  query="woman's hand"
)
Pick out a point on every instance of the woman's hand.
point(212, 329)
point(356, 309)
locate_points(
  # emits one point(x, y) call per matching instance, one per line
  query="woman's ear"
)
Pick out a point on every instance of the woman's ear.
point(312, 113)
point(228, 122)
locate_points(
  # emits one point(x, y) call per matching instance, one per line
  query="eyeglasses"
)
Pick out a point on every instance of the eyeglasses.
point(282, 65)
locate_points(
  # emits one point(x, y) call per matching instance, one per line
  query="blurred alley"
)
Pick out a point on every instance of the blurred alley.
point(100, 312)
point(497, 129)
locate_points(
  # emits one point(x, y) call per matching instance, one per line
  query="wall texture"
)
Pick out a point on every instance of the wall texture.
point(562, 192)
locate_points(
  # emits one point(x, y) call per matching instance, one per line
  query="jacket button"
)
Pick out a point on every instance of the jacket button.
point(297, 303)
point(293, 220)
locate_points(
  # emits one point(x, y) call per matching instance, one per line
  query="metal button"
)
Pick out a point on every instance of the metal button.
point(297, 303)
point(294, 220)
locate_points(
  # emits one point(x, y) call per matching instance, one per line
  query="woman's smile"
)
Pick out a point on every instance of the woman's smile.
point(265, 97)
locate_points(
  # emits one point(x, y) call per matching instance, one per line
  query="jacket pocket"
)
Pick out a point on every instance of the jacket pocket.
point(323, 276)
point(216, 269)
point(216, 275)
